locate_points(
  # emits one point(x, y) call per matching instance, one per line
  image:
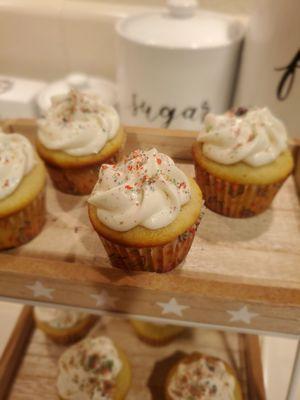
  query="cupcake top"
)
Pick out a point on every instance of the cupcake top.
point(78, 124)
point(201, 378)
point(17, 158)
point(59, 318)
point(253, 136)
point(145, 189)
point(88, 370)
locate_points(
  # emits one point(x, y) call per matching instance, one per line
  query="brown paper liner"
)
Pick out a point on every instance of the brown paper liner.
point(71, 335)
point(152, 259)
point(157, 342)
point(19, 228)
point(78, 181)
point(233, 199)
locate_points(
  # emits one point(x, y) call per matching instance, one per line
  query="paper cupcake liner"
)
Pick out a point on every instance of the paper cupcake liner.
point(158, 341)
point(19, 228)
point(155, 342)
point(233, 199)
point(70, 335)
point(153, 259)
point(78, 181)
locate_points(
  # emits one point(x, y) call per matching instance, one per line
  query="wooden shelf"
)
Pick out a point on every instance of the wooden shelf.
point(240, 273)
point(36, 376)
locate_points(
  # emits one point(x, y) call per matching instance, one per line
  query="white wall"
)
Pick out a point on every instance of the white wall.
point(227, 6)
point(45, 39)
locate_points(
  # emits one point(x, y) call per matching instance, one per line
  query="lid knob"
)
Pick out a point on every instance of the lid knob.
point(77, 80)
point(182, 8)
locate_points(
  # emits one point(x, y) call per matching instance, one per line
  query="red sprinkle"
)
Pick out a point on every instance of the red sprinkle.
point(158, 161)
point(128, 187)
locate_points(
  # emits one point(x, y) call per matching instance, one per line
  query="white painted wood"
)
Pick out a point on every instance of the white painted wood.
point(295, 377)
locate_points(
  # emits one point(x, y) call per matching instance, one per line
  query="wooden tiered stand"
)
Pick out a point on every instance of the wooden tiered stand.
point(240, 274)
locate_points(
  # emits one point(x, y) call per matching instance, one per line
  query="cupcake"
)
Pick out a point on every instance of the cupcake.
point(241, 160)
point(93, 369)
point(200, 377)
point(145, 211)
point(76, 136)
point(156, 334)
point(63, 326)
point(22, 191)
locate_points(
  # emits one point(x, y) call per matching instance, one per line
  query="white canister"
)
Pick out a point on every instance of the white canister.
point(176, 65)
point(270, 69)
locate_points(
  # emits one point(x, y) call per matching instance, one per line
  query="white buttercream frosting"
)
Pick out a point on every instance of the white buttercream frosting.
point(87, 370)
point(202, 380)
point(145, 189)
point(78, 124)
point(255, 137)
point(17, 158)
point(59, 318)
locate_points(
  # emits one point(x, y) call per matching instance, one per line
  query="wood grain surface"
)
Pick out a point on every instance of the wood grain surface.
point(234, 264)
point(297, 168)
point(15, 349)
point(37, 374)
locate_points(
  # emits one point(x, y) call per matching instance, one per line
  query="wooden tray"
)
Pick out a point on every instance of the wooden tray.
point(240, 273)
point(36, 376)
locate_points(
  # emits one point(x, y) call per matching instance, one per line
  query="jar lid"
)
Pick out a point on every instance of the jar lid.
point(104, 88)
point(181, 25)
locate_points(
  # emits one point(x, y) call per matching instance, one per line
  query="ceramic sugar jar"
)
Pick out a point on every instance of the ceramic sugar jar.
point(175, 65)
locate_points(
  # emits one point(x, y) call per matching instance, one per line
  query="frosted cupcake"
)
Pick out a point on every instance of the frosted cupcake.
point(145, 211)
point(199, 377)
point(156, 334)
point(77, 135)
point(93, 369)
point(22, 191)
point(63, 326)
point(241, 161)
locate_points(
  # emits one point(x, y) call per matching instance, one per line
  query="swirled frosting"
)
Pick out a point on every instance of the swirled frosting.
point(17, 158)
point(202, 380)
point(255, 137)
point(59, 318)
point(146, 189)
point(87, 370)
point(78, 124)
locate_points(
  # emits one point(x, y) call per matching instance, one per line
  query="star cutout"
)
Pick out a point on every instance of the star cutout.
point(172, 307)
point(39, 290)
point(104, 299)
point(243, 315)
